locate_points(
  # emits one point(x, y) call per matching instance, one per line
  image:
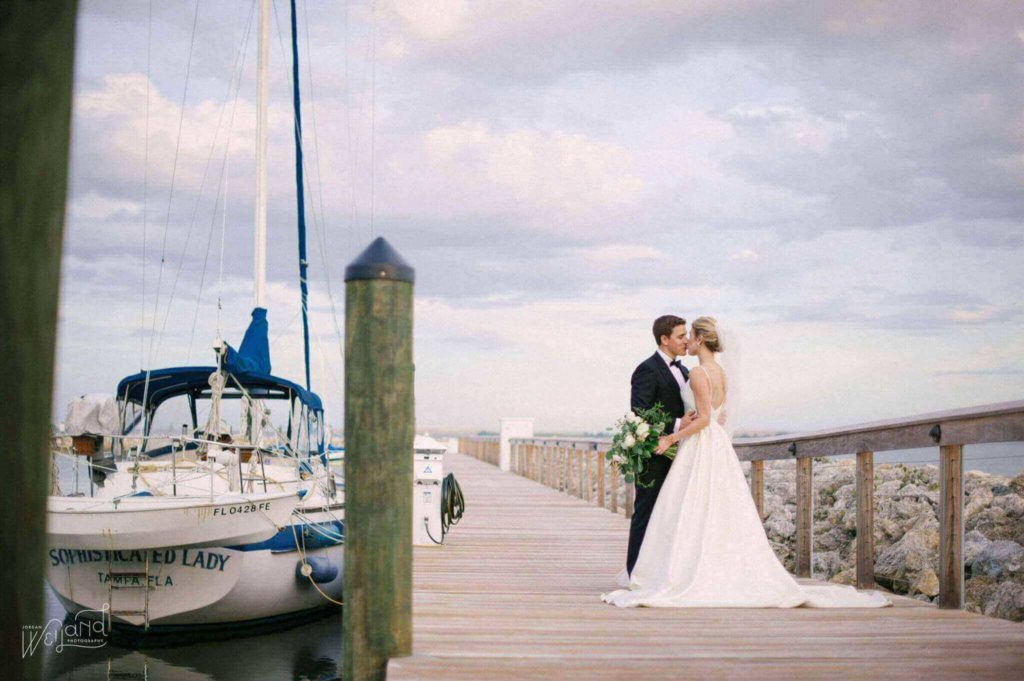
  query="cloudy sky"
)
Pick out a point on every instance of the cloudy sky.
point(840, 181)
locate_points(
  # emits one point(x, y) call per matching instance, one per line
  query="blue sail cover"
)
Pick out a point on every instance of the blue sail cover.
point(253, 355)
point(249, 365)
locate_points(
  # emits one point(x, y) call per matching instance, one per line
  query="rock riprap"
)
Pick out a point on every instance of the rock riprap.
point(907, 530)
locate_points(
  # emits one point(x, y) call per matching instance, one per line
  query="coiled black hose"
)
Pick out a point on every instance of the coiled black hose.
point(453, 505)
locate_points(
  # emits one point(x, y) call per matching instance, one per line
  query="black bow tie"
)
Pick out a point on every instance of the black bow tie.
point(677, 364)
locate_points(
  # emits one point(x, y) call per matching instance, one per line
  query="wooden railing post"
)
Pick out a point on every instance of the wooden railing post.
point(865, 520)
point(951, 527)
point(600, 477)
point(570, 470)
point(630, 498)
point(804, 500)
point(581, 473)
point(379, 429)
point(564, 469)
point(757, 486)
point(589, 456)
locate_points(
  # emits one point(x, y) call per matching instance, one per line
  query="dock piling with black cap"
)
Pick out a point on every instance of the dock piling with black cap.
point(379, 423)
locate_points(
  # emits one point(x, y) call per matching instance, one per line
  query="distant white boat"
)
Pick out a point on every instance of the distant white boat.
point(151, 522)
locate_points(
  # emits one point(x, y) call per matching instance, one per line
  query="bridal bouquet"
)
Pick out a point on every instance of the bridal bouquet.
point(636, 439)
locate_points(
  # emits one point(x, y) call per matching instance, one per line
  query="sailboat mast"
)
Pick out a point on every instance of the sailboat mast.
point(303, 264)
point(260, 233)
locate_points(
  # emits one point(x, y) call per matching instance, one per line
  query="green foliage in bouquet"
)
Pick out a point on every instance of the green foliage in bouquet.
point(636, 438)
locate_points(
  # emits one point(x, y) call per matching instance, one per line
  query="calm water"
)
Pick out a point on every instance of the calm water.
point(308, 651)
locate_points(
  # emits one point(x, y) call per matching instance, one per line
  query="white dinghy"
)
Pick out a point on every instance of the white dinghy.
point(153, 522)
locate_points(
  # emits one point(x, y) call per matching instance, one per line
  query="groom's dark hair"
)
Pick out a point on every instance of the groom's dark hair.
point(663, 326)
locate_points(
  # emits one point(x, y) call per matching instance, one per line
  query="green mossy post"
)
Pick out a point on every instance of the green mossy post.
point(379, 424)
point(37, 45)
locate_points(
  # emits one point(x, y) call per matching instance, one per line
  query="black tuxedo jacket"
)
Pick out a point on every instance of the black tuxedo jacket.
point(653, 382)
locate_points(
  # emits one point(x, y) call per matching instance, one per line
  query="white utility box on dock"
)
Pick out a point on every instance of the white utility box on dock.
point(427, 475)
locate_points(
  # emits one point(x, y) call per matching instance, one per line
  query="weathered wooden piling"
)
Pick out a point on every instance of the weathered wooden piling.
point(951, 526)
point(804, 501)
point(37, 42)
point(865, 520)
point(379, 423)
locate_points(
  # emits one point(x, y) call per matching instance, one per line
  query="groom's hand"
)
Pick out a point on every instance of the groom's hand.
point(663, 444)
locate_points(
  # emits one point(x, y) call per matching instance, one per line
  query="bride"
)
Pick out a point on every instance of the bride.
point(705, 546)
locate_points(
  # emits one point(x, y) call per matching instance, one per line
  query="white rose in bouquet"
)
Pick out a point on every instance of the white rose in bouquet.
point(628, 441)
point(643, 430)
point(633, 418)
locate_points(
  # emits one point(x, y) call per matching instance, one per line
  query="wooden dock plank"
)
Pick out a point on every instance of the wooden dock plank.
point(514, 594)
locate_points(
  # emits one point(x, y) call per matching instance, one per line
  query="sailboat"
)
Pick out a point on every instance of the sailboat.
point(210, 530)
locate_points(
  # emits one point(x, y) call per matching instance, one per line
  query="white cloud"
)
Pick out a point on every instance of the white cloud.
point(745, 255)
point(433, 19)
point(614, 254)
point(546, 176)
point(973, 314)
point(93, 206)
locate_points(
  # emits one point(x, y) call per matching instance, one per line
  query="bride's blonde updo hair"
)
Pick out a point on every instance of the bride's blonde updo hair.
point(706, 329)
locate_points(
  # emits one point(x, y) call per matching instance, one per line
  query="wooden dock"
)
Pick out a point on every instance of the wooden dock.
point(514, 594)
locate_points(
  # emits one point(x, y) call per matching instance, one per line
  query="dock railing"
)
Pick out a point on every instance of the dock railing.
point(578, 466)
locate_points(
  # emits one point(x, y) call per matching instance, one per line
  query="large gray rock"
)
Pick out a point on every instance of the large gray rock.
point(974, 543)
point(927, 583)
point(912, 491)
point(903, 562)
point(1011, 503)
point(1007, 602)
point(779, 528)
point(998, 558)
point(987, 520)
point(888, 488)
point(975, 504)
point(826, 563)
point(846, 497)
point(833, 539)
point(913, 508)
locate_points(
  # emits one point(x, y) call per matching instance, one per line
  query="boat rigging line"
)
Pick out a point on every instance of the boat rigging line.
point(174, 169)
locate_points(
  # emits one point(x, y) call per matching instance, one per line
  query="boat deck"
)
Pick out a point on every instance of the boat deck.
point(514, 594)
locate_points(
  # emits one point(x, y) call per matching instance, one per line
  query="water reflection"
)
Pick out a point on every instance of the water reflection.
point(306, 652)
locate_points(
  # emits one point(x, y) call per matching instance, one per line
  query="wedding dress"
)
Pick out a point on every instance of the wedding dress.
point(705, 546)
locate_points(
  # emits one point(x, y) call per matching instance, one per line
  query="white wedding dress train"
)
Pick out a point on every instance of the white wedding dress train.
point(705, 546)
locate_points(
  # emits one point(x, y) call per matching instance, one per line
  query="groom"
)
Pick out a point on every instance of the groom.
point(660, 378)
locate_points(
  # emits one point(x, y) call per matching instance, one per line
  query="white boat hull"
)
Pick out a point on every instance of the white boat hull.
point(187, 586)
point(147, 522)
